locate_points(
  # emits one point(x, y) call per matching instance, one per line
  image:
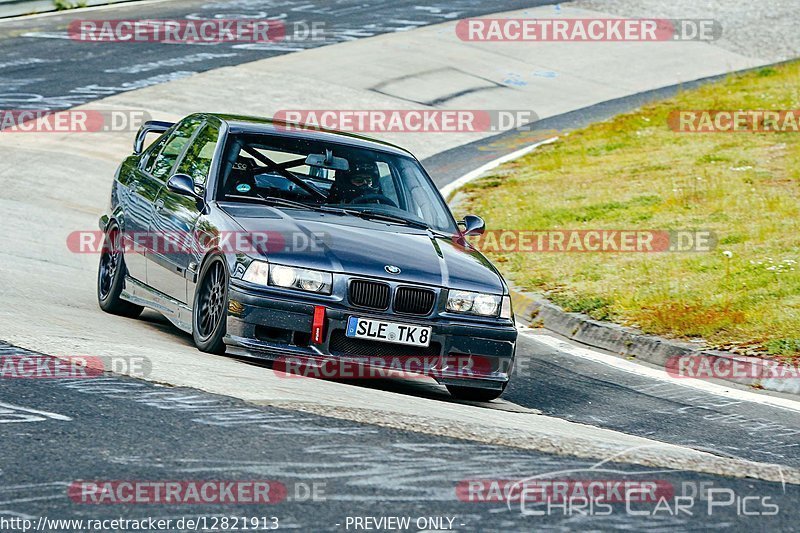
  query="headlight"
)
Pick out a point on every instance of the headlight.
point(460, 301)
point(313, 281)
point(486, 305)
point(474, 303)
point(300, 278)
point(289, 277)
point(257, 273)
point(283, 276)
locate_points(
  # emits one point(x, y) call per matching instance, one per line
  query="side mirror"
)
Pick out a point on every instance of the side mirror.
point(473, 225)
point(183, 185)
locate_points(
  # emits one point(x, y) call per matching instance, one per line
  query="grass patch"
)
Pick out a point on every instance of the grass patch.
point(783, 346)
point(63, 5)
point(596, 307)
point(633, 172)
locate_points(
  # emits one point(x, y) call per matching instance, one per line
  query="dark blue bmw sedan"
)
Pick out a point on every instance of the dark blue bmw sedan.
point(267, 239)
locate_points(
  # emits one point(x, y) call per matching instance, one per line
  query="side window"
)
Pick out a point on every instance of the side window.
point(197, 161)
point(386, 180)
point(421, 198)
point(152, 154)
point(172, 148)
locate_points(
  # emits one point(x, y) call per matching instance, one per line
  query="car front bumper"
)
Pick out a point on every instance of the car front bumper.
point(279, 327)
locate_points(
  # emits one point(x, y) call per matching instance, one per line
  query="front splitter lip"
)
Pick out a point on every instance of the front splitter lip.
point(316, 360)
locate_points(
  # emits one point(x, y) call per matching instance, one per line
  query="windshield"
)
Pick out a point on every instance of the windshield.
point(317, 173)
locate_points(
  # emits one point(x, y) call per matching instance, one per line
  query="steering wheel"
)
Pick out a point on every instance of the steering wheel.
point(377, 197)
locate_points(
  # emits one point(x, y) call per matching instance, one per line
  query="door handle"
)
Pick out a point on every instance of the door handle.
point(159, 205)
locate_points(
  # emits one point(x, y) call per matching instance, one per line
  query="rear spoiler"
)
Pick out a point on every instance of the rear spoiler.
point(151, 126)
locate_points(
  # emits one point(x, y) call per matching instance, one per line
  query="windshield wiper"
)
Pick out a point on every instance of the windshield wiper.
point(377, 215)
point(275, 200)
point(285, 202)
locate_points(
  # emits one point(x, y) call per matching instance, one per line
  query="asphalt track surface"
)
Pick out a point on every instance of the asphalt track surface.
point(121, 428)
point(118, 428)
point(41, 68)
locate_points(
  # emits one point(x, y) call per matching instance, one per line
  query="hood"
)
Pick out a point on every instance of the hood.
point(351, 245)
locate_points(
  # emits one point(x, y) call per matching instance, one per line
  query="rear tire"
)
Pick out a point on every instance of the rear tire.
point(474, 394)
point(210, 310)
point(111, 277)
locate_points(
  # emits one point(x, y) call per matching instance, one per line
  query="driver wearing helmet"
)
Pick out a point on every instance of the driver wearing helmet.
point(355, 183)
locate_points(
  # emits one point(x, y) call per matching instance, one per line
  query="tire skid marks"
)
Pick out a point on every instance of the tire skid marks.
point(209, 410)
point(206, 408)
point(411, 472)
point(24, 62)
point(77, 96)
point(164, 63)
point(11, 414)
point(767, 436)
point(406, 471)
point(30, 492)
point(775, 439)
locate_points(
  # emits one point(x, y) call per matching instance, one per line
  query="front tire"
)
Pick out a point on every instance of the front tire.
point(474, 394)
point(210, 310)
point(111, 277)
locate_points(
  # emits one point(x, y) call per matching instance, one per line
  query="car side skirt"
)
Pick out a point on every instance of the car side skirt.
point(176, 312)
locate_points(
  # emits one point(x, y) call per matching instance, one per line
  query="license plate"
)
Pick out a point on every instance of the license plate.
point(378, 330)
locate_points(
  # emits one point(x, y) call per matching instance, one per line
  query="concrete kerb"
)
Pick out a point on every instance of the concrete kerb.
point(534, 309)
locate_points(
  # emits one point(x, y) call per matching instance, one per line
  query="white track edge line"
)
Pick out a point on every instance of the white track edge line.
point(469, 176)
point(661, 374)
